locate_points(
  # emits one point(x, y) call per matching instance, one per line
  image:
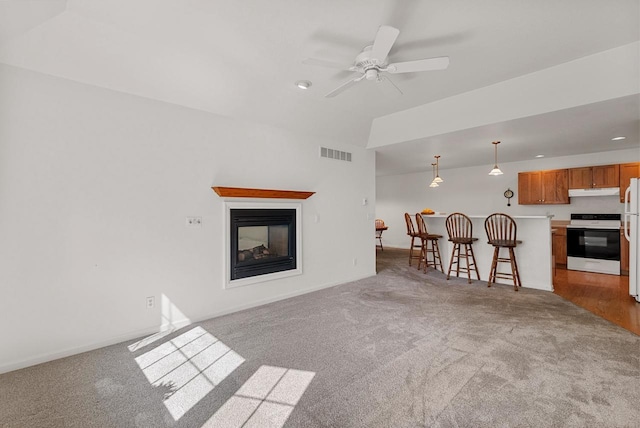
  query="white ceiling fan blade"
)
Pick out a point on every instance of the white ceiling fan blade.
point(388, 84)
point(328, 64)
point(344, 86)
point(385, 38)
point(429, 64)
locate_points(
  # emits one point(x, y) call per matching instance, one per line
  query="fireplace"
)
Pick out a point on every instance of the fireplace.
point(263, 242)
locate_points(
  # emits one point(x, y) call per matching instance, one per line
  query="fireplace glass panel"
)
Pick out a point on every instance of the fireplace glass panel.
point(258, 242)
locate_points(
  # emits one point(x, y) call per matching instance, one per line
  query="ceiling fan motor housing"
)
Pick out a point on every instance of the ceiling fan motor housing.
point(367, 65)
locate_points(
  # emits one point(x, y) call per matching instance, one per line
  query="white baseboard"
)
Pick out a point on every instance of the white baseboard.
point(43, 358)
point(137, 334)
point(281, 297)
point(542, 287)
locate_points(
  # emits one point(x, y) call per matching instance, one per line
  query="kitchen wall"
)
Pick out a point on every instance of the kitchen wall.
point(473, 191)
point(95, 186)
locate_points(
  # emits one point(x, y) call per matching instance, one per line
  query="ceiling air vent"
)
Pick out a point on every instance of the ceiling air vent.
point(334, 154)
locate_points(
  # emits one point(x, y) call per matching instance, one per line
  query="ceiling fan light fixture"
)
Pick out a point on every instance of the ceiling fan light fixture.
point(371, 74)
point(496, 170)
point(303, 84)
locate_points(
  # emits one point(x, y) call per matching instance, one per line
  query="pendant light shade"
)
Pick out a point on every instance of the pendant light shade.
point(496, 170)
point(434, 183)
point(437, 179)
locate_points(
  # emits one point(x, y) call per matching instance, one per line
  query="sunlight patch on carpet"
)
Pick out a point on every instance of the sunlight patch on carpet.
point(265, 400)
point(188, 367)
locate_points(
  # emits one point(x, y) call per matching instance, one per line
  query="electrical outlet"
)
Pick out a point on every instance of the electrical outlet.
point(194, 221)
point(355, 261)
point(151, 302)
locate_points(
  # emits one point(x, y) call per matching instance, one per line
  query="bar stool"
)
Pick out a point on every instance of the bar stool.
point(501, 232)
point(411, 231)
point(460, 231)
point(380, 227)
point(428, 238)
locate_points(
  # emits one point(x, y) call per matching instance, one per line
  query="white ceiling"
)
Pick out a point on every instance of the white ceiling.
point(579, 130)
point(241, 58)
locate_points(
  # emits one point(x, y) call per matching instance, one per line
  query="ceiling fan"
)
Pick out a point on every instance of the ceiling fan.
point(372, 62)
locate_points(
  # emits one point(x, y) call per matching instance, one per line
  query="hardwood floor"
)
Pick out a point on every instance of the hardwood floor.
point(605, 295)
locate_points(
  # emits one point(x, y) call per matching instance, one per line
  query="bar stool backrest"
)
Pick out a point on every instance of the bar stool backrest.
point(459, 226)
point(422, 227)
point(379, 223)
point(411, 231)
point(501, 229)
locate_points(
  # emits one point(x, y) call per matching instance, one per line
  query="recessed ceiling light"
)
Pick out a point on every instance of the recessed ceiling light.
point(303, 84)
point(618, 138)
point(539, 156)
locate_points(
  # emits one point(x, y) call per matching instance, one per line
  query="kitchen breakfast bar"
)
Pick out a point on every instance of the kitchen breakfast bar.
point(534, 254)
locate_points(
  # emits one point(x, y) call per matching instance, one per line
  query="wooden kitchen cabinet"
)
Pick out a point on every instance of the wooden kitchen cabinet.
point(555, 186)
point(624, 254)
point(543, 187)
point(627, 172)
point(594, 177)
point(529, 188)
point(606, 176)
point(560, 246)
point(580, 178)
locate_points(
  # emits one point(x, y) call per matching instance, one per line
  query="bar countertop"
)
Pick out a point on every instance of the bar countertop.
point(441, 215)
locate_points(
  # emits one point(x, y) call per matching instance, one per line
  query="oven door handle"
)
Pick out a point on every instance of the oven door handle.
point(569, 226)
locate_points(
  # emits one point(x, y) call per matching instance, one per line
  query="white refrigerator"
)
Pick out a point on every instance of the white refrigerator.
point(632, 234)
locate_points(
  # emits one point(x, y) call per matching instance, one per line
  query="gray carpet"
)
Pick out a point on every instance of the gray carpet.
point(402, 349)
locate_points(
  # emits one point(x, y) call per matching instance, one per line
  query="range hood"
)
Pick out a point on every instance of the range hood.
point(607, 191)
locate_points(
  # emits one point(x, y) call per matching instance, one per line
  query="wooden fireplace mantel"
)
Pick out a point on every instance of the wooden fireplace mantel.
point(242, 192)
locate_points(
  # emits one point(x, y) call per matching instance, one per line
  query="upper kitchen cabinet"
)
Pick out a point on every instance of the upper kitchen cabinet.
point(543, 187)
point(627, 172)
point(594, 177)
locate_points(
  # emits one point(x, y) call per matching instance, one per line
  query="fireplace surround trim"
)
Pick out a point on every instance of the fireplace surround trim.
point(228, 206)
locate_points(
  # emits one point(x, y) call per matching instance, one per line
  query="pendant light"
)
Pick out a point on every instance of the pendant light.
point(437, 179)
point(434, 183)
point(496, 170)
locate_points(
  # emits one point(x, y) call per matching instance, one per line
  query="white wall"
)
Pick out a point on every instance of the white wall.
point(473, 191)
point(95, 186)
